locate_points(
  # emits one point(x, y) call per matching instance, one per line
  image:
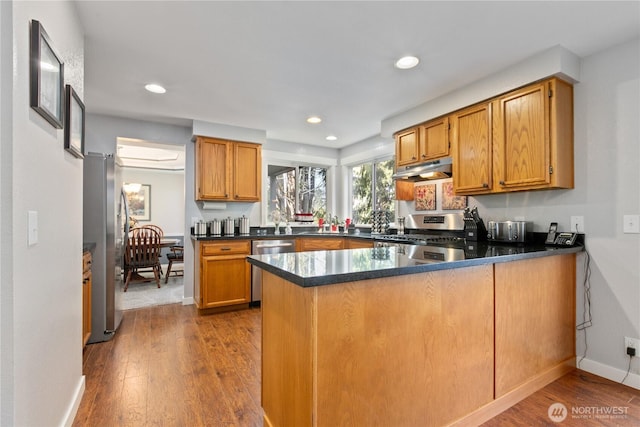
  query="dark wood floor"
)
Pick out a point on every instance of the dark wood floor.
point(167, 366)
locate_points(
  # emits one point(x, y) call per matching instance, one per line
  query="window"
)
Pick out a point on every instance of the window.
point(296, 189)
point(373, 188)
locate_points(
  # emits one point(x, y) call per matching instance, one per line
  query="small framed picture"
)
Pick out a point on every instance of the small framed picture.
point(46, 77)
point(139, 199)
point(74, 123)
point(425, 197)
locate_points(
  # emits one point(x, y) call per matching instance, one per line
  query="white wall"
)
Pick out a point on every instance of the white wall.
point(41, 364)
point(607, 186)
point(167, 197)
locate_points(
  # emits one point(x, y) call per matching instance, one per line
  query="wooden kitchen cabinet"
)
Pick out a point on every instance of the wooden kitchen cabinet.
point(223, 276)
point(428, 141)
point(434, 139)
point(472, 150)
point(228, 170)
point(86, 296)
point(319, 244)
point(407, 145)
point(533, 137)
point(522, 140)
point(356, 243)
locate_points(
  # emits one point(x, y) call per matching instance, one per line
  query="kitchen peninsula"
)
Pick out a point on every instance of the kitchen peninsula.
point(381, 337)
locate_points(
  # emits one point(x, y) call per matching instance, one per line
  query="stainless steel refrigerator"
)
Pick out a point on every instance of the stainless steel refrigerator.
point(106, 225)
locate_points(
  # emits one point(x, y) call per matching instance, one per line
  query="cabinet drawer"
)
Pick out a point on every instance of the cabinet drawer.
point(86, 261)
point(226, 248)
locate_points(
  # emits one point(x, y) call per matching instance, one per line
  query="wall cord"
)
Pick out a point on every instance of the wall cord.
point(586, 312)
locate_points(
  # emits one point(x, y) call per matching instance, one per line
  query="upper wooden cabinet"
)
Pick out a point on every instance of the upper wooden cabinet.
point(434, 139)
point(427, 141)
point(533, 137)
point(228, 170)
point(472, 150)
point(522, 140)
point(407, 146)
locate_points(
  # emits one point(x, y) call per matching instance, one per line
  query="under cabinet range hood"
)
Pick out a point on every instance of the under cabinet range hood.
point(434, 169)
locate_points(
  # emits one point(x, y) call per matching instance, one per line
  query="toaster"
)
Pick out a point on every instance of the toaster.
point(508, 231)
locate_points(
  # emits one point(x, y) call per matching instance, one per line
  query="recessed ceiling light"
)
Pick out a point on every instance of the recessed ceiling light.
point(331, 138)
point(407, 62)
point(314, 120)
point(152, 87)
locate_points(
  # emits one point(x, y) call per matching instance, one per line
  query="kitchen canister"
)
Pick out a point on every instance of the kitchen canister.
point(215, 227)
point(229, 227)
point(243, 225)
point(200, 228)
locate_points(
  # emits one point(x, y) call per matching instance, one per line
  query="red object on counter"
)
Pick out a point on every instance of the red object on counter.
point(347, 221)
point(320, 221)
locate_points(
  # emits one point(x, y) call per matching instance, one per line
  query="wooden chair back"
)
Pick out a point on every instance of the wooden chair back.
point(143, 248)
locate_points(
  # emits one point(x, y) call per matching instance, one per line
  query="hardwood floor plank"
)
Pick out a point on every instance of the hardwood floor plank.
point(169, 366)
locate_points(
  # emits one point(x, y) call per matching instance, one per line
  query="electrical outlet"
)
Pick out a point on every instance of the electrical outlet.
point(631, 224)
point(631, 342)
point(577, 224)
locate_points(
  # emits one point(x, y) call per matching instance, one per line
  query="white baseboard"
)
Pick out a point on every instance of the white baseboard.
point(188, 301)
point(77, 398)
point(605, 371)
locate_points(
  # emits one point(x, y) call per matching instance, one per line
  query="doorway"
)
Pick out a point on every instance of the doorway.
point(159, 168)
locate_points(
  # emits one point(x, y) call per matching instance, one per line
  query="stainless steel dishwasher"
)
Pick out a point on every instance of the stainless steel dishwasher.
point(262, 247)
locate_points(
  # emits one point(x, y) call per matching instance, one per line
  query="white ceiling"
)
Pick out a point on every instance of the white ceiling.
point(269, 65)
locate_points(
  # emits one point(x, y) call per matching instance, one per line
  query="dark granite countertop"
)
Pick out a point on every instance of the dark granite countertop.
point(281, 236)
point(319, 268)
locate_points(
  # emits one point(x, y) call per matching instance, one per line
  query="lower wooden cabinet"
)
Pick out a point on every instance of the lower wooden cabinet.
point(305, 244)
point(86, 297)
point(223, 276)
point(355, 243)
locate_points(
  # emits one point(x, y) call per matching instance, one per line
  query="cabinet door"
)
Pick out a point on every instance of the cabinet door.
point(86, 307)
point(213, 169)
point(225, 280)
point(355, 243)
point(247, 172)
point(404, 190)
point(472, 145)
point(320, 244)
point(521, 138)
point(434, 139)
point(407, 146)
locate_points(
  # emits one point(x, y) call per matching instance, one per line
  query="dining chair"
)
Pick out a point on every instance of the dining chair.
point(142, 251)
point(157, 229)
point(176, 255)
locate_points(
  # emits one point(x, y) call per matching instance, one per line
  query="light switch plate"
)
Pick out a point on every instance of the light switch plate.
point(32, 226)
point(631, 224)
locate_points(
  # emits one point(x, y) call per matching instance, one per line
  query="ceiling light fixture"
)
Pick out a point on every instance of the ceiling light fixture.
point(314, 120)
point(407, 62)
point(331, 138)
point(152, 87)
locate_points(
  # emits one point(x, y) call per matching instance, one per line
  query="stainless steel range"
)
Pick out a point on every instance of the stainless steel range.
point(428, 238)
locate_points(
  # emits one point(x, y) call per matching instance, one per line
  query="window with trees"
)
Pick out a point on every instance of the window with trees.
point(296, 189)
point(373, 189)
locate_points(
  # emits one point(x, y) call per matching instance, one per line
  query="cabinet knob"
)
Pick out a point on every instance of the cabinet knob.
point(226, 195)
point(424, 155)
point(236, 196)
point(413, 158)
point(485, 185)
point(501, 182)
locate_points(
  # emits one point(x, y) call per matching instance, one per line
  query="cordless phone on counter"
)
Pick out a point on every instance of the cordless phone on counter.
point(559, 239)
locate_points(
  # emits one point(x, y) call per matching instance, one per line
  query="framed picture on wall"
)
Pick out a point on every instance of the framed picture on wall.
point(139, 198)
point(46, 79)
point(425, 197)
point(449, 200)
point(74, 123)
